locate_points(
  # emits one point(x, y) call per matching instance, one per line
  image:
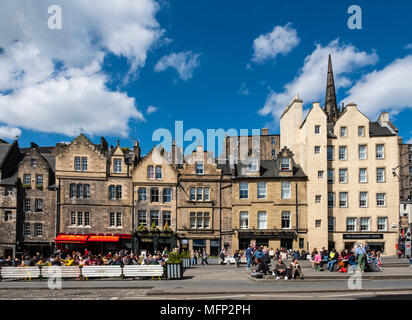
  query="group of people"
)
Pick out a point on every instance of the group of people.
point(76, 258)
point(359, 258)
point(196, 254)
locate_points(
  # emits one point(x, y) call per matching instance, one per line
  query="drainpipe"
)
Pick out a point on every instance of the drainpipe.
point(220, 213)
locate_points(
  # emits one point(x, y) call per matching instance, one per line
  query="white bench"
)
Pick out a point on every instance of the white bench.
point(20, 272)
point(230, 260)
point(62, 272)
point(101, 271)
point(143, 271)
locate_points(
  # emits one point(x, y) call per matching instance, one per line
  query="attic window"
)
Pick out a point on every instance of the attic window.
point(253, 165)
point(117, 165)
point(33, 162)
point(285, 164)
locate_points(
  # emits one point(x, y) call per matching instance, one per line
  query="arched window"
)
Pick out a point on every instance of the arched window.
point(112, 192)
point(158, 172)
point(150, 172)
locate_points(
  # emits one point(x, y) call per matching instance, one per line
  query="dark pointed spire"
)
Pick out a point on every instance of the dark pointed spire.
point(331, 106)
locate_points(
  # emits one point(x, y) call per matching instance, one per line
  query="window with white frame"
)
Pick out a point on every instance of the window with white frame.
point(285, 164)
point(363, 199)
point(27, 229)
point(253, 165)
point(39, 180)
point(199, 194)
point(363, 177)
point(380, 174)
point(274, 153)
point(73, 218)
point(343, 132)
point(141, 217)
point(167, 195)
point(117, 165)
point(87, 219)
point(382, 224)
point(84, 164)
point(343, 175)
point(350, 224)
point(38, 230)
point(154, 195)
point(317, 149)
point(8, 191)
point(27, 179)
point(320, 174)
point(361, 131)
point(243, 190)
point(199, 220)
point(77, 164)
point(150, 173)
point(261, 188)
point(285, 219)
point(273, 140)
point(158, 172)
point(343, 199)
point(262, 223)
point(167, 218)
point(199, 167)
point(244, 220)
point(118, 192)
point(380, 151)
point(380, 199)
point(154, 217)
point(33, 162)
point(192, 193)
point(80, 218)
point(112, 219)
point(362, 152)
point(118, 219)
point(285, 190)
point(206, 194)
point(112, 192)
point(365, 224)
point(38, 205)
point(343, 153)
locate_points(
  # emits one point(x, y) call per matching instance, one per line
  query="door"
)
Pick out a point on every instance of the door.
point(286, 243)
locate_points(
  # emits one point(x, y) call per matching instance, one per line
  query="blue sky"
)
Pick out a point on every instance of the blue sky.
point(195, 61)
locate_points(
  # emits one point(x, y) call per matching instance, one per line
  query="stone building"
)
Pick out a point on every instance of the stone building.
point(154, 182)
point(238, 148)
point(37, 200)
point(269, 205)
point(94, 208)
point(9, 157)
point(352, 194)
point(204, 203)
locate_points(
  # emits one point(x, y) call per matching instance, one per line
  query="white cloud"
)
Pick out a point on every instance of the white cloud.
point(408, 46)
point(151, 109)
point(184, 62)
point(9, 133)
point(310, 80)
point(244, 90)
point(36, 62)
point(281, 40)
point(389, 89)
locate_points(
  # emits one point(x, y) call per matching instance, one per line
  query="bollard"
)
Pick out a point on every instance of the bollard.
point(0, 274)
point(40, 273)
point(122, 275)
point(81, 273)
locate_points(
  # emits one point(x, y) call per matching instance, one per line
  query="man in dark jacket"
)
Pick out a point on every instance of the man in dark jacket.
point(281, 270)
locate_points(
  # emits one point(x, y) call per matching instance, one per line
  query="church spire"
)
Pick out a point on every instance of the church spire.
point(331, 106)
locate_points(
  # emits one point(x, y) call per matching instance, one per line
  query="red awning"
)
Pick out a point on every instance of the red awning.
point(104, 238)
point(71, 238)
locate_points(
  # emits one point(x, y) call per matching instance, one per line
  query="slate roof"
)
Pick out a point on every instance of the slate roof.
point(4, 149)
point(378, 130)
point(270, 169)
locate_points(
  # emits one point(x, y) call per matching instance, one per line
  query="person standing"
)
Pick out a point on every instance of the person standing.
point(361, 254)
point(204, 256)
point(248, 254)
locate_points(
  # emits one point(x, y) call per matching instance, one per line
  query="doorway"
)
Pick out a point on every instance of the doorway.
point(286, 243)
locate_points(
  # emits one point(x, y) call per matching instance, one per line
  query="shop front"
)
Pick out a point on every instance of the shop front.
point(375, 241)
point(32, 248)
point(267, 238)
point(152, 241)
point(94, 243)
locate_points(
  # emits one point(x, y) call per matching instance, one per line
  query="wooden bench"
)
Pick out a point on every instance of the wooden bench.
point(20, 273)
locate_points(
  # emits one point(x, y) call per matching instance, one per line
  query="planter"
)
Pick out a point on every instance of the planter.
point(174, 270)
point(186, 263)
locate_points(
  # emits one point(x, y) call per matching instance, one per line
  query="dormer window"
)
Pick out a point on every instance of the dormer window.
point(253, 165)
point(117, 165)
point(158, 172)
point(33, 162)
point(285, 164)
point(150, 172)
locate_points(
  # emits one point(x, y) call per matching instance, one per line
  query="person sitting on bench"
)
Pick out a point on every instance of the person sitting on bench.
point(281, 270)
